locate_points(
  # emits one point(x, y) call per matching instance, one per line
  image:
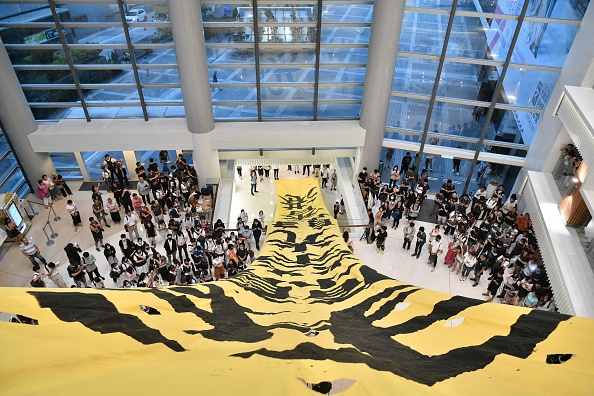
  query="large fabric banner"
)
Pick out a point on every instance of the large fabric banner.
point(306, 312)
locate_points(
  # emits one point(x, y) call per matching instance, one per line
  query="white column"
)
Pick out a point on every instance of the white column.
point(206, 159)
point(18, 122)
point(381, 60)
point(190, 50)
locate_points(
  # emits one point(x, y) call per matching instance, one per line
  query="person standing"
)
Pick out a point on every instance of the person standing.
point(215, 79)
point(240, 172)
point(74, 213)
point(253, 182)
point(333, 181)
point(97, 232)
point(257, 231)
point(421, 239)
point(99, 212)
point(170, 248)
point(89, 262)
point(44, 193)
point(114, 210)
point(32, 252)
point(75, 270)
point(275, 170)
point(325, 176)
point(336, 209)
point(380, 238)
point(61, 184)
point(131, 224)
point(54, 275)
point(144, 188)
point(409, 232)
point(435, 249)
point(404, 165)
point(51, 186)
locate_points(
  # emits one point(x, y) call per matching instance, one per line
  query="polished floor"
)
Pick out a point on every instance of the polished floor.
point(15, 269)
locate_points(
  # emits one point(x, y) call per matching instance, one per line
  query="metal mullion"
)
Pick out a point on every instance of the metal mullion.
point(132, 58)
point(81, 95)
point(499, 143)
point(407, 95)
point(497, 91)
point(9, 175)
point(552, 20)
point(97, 66)
point(342, 65)
point(29, 25)
point(47, 86)
point(348, 46)
point(465, 139)
point(5, 154)
point(53, 105)
point(436, 83)
point(503, 106)
point(288, 85)
point(340, 101)
point(33, 47)
point(345, 84)
point(486, 15)
point(427, 10)
point(82, 25)
point(257, 59)
point(549, 69)
point(474, 61)
point(97, 46)
point(417, 56)
point(347, 24)
point(318, 55)
point(246, 45)
point(162, 86)
point(113, 103)
point(107, 86)
point(287, 65)
point(40, 67)
point(463, 102)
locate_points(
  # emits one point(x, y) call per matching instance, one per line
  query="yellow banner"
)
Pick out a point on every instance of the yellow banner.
point(307, 312)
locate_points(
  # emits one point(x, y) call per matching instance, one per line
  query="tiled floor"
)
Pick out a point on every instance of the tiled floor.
point(15, 270)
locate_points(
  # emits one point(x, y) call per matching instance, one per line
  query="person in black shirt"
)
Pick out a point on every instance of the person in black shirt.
point(447, 189)
point(380, 239)
point(153, 167)
point(421, 239)
point(405, 164)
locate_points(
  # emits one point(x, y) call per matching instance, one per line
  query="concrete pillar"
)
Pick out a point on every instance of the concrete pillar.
point(206, 159)
point(18, 122)
point(381, 60)
point(190, 49)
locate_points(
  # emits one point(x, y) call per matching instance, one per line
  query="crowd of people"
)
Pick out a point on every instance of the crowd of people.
point(476, 236)
point(166, 206)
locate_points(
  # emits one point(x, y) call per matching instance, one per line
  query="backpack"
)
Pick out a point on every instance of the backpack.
point(37, 282)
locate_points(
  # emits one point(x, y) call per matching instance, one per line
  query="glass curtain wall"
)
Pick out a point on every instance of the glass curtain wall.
point(267, 61)
point(12, 178)
point(112, 68)
point(455, 117)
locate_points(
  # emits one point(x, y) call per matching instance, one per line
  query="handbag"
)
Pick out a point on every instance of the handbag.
point(37, 282)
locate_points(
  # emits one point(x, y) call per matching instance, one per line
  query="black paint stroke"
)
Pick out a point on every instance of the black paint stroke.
point(97, 313)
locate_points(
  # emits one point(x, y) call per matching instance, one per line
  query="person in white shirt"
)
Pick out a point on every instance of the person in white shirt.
point(51, 186)
point(74, 213)
point(131, 224)
point(144, 189)
point(435, 249)
point(54, 275)
point(469, 263)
